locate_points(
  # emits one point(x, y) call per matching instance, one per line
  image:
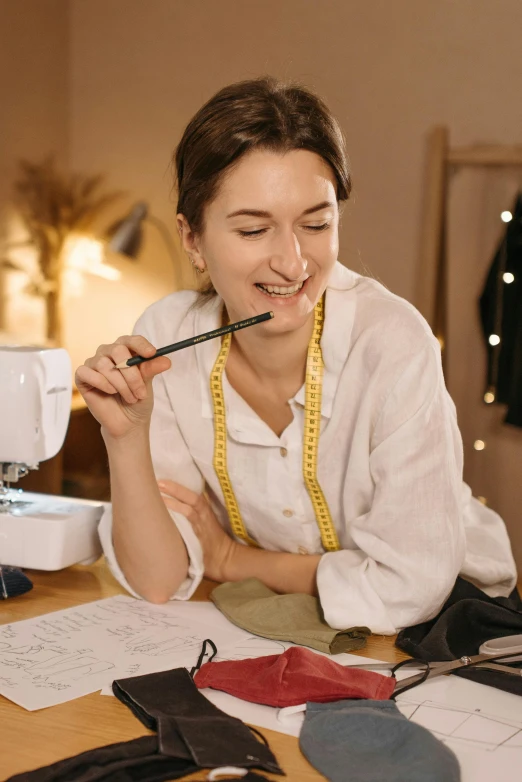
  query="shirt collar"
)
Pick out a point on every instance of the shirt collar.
point(335, 347)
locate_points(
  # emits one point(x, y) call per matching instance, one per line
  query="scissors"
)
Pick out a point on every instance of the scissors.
point(507, 649)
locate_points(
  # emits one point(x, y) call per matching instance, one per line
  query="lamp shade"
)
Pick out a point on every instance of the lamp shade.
point(125, 235)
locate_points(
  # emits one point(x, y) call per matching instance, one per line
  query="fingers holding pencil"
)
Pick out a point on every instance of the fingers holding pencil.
point(120, 401)
point(133, 385)
point(128, 347)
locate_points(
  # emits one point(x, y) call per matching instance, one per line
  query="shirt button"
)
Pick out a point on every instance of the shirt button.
point(302, 550)
point(287, 512)
point(283, 451)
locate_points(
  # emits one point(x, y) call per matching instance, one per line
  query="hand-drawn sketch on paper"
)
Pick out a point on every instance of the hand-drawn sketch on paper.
point(454, 726)
point(255, 646)
point(70, 653)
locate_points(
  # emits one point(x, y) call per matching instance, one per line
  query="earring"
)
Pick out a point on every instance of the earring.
point(196, 267)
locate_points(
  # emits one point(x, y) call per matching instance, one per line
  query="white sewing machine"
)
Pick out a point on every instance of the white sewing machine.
point(39, 531)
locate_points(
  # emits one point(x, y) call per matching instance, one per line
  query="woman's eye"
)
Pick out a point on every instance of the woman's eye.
point(257, 232)
point(322, 227)
point(260, 231)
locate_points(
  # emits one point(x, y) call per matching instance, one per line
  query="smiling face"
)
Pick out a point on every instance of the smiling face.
point(270, 236)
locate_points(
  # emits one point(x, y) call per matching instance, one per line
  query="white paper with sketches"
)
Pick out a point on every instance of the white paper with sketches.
point(60, 656)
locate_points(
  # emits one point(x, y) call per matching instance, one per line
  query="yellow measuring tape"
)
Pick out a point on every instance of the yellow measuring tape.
point(312, 428)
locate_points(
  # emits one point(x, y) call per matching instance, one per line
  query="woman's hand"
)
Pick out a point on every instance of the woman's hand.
point(121, 400)
point(216, 544)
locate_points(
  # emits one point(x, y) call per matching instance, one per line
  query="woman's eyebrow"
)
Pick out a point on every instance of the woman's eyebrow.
point(261, 213)
point(322, 205)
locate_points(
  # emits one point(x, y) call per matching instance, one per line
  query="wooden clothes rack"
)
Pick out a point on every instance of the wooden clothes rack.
point(442, 159)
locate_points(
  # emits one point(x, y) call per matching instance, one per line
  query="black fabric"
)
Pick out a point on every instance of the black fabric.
point(127, 761)
point(191, 734)
point(507, 321)
point(13, 582)
point(467, 619)
point(188, 723)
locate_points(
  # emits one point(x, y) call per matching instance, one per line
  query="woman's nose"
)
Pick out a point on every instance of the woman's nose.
point(287, 259)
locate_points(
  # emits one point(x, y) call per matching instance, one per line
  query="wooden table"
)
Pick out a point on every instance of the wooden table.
point(29, 740)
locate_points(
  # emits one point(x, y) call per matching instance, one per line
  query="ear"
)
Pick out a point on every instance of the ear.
point(190, 242)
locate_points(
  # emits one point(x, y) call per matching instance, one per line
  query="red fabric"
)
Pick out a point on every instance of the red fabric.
point(296, 676)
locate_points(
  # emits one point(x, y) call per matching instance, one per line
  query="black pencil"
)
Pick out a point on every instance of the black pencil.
point(187, 343)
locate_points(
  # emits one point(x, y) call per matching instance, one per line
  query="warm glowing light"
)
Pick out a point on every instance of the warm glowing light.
point(479, 445)
point(508, 277)
point(483, 500)
point(506, 216)
point(494, 339)
point(74, 282)
point(489, 397)
point(86, 255)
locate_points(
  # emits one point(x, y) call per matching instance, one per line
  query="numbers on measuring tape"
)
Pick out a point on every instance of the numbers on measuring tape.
point(312, 430)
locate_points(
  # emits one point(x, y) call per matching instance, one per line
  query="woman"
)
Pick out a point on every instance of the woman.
point(375, 519)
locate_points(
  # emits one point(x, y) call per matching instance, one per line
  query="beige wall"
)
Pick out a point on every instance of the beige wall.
point(34, 38)
point(389, 70)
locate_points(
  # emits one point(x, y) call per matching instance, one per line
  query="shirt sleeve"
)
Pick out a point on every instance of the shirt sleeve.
point(411, 543)
point(171, 460)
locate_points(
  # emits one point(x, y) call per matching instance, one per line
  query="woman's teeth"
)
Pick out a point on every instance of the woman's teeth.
point(278, 290)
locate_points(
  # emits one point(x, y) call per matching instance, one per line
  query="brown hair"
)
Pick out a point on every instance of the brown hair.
point(260, 113)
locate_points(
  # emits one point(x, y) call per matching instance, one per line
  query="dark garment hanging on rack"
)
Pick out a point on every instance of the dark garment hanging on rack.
point(501, 313)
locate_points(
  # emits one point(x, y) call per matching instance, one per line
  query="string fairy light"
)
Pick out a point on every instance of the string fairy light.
point(494, 339)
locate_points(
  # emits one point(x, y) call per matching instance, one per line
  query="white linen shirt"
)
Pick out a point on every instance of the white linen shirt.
point(390, 460)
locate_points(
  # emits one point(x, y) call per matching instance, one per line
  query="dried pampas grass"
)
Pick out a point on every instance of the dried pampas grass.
point(53, 205)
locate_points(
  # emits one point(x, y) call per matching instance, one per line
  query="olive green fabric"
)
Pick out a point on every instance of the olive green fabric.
point(296, 618)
